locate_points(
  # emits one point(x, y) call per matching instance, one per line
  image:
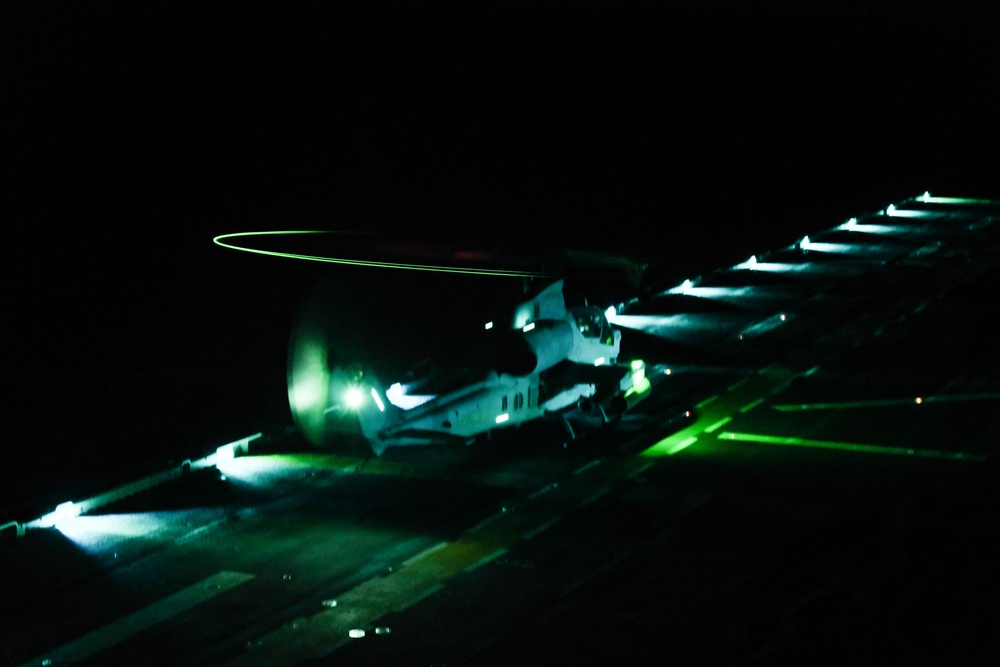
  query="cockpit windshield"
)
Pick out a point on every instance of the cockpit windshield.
point(592, 323)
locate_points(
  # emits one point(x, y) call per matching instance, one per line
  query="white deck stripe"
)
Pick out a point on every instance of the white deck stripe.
point(127, 626)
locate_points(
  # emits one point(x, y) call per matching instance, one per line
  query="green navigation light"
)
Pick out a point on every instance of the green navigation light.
point(850, 447)
point(223, 241)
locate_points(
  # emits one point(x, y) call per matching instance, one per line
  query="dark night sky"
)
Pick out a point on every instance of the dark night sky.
point(132, 134)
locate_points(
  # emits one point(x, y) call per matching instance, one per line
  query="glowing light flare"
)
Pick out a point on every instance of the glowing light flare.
point(928, 199)
point(837, 248)
point(683, 288)
point(309, 389)
point(224, 454)
point(875, 229)
point(262, 471)
point(94, 533)
point(225, 241)
point(721, 293)
point(502, 418)
point(893, 212)
point(62, 512)
point(353, 398)
point(783, 267)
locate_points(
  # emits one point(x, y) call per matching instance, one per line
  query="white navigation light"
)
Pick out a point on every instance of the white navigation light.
point(752, 262)
point(502, 418)
point(852, 223)
point(528, 327)
point(66, 510)
point(63, 512)
point(378, 401)
point(804, 243)
point(354, 397)
point(686, 286)
point(356, 633)
point(926, 196)
point(610, 312)
point(489, 325)
point(890, 209)
point(599, 361)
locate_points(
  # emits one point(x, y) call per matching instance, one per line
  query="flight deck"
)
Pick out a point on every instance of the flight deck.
point(811, 480)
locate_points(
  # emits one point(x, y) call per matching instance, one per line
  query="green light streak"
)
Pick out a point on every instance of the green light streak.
point(719, 424)
point(673, 443)
point(683, 444)
point(850, 447)
point(222, 238)
point(889, 402)
point(707, 401)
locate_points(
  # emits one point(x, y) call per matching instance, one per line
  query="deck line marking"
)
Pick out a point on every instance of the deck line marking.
point(707, 401)
point(737, 385)
point(588, 466)
point(426, 552)
point(542, 491)
point(486, 559)
point(600, 494)
point(485, 522)
point(638, 471)
point(158, 612)
point(542, 528)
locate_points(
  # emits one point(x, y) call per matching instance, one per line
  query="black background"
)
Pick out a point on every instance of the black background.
point(133, 133)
